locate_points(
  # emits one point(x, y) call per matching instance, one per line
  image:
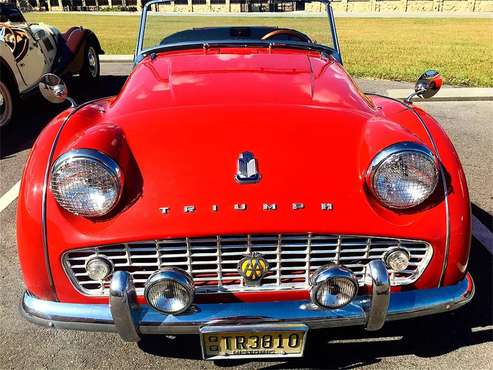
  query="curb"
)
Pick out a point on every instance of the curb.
point(449, 94)
point(116, 58)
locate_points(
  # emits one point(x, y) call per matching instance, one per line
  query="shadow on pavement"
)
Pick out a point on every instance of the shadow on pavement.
point(35, 112)
point(347, 348)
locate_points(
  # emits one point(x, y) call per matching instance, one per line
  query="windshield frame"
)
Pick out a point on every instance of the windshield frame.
point(141, 53)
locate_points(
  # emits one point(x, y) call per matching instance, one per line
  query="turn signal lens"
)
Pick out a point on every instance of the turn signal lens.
point(333, 286)
point(169, 290)
point(397, 259)
point(99, 268)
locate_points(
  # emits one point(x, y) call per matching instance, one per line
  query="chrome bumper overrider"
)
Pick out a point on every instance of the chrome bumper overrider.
point(125, 316)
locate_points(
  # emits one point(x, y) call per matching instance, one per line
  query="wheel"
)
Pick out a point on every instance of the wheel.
point(90, 70)
point(7, 100)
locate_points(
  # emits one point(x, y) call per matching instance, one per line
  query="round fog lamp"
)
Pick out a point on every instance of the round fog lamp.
point(397, 259)
point(169, 290)
point(99, 268)
point(333, 286)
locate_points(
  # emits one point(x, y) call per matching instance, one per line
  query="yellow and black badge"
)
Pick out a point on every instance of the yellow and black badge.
point(253, 268)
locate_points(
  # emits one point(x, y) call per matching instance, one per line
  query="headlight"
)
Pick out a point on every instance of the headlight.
point(169, 290)
point(403, 175)
point(86, 182)
point(333, 286)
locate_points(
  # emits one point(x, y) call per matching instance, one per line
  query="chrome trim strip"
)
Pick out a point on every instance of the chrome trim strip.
point(123, 306)
point(380, 296)
point(444, 182)
point(445, 192)
point(97, 317)
point(45, 191)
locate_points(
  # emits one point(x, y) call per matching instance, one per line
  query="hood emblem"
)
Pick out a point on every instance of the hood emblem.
point(253, 268)
point(247, 172)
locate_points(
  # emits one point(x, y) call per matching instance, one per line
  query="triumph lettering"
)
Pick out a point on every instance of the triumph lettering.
point(267, 207)
point(240, 207)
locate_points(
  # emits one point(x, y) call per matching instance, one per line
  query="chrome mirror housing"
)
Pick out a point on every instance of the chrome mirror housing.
point(428, 84)
point(54, 89)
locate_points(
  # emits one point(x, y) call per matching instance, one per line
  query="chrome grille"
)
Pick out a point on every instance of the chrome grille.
point(212, 261)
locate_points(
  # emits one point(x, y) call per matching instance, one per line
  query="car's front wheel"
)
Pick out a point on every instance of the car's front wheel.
point(91, 68)
point(6, 104)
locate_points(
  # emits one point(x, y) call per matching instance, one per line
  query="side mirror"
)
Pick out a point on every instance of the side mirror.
point(54, 89)
point(427, 85)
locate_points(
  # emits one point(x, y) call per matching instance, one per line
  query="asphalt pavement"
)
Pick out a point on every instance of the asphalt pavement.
point(458, 340)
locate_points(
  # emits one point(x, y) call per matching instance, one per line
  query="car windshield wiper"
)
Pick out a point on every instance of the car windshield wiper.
point(232, 43)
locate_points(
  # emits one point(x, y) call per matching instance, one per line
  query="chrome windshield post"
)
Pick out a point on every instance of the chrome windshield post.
point(143, 18)
point(333, 29)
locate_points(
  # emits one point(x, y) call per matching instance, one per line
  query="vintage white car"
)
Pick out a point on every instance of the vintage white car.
point(28, 51)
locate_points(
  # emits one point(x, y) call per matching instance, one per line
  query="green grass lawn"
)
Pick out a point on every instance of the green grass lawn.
point(394, 49)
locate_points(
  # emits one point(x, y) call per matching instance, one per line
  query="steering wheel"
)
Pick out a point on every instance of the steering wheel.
point(9, 38)
point(285, 31)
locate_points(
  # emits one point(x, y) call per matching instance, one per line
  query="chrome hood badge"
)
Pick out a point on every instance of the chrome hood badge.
point(247, 172)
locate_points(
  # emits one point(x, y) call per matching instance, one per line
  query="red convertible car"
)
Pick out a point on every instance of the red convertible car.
point(241, 187)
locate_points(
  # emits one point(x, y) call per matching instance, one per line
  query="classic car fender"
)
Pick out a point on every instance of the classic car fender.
point(9, 66)
point(457, 211)
point(458, 203)
point(72, 45)
point(30, 238)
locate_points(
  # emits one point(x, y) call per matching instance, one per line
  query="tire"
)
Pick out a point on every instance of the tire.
point(7, 103)
point(91, 69)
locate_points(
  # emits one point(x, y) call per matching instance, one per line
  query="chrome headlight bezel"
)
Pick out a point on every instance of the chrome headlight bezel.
point(331, 274)
point(99, 159)
point(170, 275)
point(389, 153)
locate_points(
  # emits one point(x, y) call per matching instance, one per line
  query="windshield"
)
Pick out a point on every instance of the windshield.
point(292, 24)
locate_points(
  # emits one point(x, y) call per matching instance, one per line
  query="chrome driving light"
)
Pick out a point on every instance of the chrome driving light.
point(403, 175)
point(333, 286)
point(86, 182)
point(98, 267)
point(169, 290)
point(397, 259)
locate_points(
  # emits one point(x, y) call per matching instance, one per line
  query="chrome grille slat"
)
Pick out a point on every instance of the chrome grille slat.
point(212, 261)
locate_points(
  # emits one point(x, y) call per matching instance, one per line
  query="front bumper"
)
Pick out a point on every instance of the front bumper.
point(130, 320)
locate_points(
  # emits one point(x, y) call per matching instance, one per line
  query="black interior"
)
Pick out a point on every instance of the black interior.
point(10, 13)
point(225, 34)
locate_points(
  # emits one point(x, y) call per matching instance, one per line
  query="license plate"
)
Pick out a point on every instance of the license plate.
point(253, 341)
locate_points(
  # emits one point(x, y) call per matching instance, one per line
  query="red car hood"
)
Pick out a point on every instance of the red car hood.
point(231, 76)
